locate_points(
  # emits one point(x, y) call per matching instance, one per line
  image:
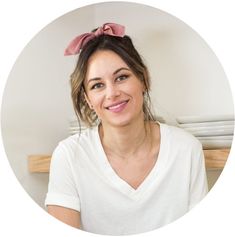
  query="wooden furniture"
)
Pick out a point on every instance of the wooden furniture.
point(215, 159)
point(39, 163)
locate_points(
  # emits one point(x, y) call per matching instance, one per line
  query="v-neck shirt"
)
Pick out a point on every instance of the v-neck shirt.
point(121, 184)
point(81, 178)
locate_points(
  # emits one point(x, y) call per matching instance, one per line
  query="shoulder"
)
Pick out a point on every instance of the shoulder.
point(180, 137)
point(76, 142)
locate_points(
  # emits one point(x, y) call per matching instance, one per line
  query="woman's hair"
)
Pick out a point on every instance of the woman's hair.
point(123, 47)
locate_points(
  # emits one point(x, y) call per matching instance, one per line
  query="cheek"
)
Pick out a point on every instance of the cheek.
point(136, 87)
point(95, 101)
point(137, 93)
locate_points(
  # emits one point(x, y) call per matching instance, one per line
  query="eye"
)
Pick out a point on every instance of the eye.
point(97, 86)
point(122, 77)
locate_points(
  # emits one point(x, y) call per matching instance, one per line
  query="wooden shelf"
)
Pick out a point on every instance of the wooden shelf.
point(39, 163)
point(215, 159)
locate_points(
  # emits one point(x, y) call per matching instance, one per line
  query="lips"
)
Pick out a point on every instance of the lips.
point(117, 107)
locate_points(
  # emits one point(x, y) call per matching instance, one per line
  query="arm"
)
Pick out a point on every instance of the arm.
point(198, 186)
point(62, 199)
point(66, 215)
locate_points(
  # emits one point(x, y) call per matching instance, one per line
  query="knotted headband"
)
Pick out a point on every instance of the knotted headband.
point(78, 43)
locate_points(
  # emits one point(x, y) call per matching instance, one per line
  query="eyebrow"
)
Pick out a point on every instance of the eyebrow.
point(114, 73)
point(120, 69)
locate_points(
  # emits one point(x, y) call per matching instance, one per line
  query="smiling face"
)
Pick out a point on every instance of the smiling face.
point(113, 90)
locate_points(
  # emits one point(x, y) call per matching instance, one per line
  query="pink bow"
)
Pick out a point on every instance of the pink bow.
point(107, 29)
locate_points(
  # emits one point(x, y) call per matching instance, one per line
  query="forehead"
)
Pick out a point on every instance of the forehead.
point(104, 62)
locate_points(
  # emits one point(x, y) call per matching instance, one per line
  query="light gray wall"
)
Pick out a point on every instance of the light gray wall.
point(187, 79)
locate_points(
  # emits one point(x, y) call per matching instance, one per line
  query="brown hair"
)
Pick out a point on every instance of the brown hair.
point(122, 46)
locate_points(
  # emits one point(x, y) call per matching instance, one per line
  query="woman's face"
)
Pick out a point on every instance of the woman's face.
point(112, 89)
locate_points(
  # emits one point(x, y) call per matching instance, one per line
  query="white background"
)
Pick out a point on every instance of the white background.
point(21, 20)
point(187, 79)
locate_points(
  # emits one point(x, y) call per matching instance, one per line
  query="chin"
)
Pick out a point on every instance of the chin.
point(122, 121)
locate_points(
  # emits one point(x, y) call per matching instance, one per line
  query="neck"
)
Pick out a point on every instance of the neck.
point(125, 141)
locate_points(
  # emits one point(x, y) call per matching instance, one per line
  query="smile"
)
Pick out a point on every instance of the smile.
point(117, 107)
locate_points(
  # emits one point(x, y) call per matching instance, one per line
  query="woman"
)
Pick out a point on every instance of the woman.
point(126, 173)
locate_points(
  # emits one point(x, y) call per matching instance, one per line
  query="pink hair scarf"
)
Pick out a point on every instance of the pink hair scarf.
point(76, 45)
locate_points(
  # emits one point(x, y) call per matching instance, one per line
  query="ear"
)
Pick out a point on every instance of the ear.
point(144, 89)
point(88, 101)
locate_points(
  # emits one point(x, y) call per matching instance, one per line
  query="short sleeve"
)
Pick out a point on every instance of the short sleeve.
point(198, 182)
point(62, 189)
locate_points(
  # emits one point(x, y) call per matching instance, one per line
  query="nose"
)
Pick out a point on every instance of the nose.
point(112, 91)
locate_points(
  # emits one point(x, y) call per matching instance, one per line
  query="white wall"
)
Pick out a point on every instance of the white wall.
point(187, 79)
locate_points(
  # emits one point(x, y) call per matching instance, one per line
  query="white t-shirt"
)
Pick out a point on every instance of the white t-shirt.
point(82, 179)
